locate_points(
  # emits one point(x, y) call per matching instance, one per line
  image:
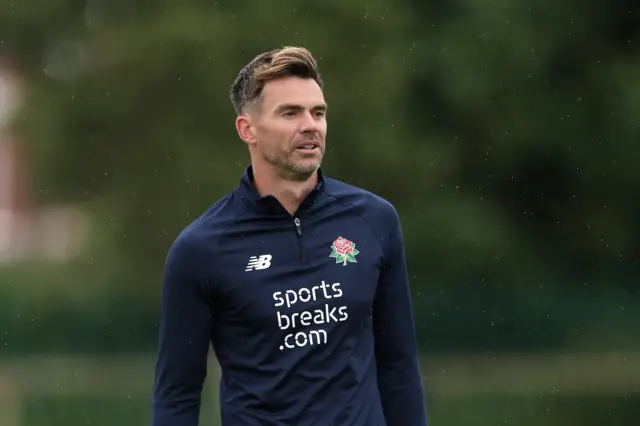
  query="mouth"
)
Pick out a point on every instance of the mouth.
point(308, 147)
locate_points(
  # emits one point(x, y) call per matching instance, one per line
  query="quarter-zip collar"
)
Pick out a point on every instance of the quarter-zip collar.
point(268, 203)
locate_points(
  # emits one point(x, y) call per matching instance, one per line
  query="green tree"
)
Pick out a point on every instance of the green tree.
point(502, 131)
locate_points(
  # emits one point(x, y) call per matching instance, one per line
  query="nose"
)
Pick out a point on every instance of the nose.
point(310, 123)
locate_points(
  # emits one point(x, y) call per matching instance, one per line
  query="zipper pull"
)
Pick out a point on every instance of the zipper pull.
point(298, 228)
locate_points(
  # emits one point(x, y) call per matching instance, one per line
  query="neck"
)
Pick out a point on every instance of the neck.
point(290, 193)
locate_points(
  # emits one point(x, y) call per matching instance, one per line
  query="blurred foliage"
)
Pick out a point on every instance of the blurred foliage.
point(505, 132)
point(502, 131)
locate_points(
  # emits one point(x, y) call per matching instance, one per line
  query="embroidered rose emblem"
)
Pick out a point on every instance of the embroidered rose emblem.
point(344, 251)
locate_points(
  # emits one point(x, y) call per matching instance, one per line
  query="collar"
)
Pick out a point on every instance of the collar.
point(269, 203)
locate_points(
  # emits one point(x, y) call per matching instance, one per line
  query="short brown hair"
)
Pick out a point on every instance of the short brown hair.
point(271, 65)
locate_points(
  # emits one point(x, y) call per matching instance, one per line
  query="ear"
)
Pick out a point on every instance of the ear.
point(245, 129)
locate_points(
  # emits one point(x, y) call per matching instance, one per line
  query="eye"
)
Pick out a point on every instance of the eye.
point(289, 113)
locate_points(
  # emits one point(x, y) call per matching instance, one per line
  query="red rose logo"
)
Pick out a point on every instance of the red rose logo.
point(343, 246)
point(344, 251)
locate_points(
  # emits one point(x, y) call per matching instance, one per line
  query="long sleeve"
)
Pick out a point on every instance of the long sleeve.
point(399, 376)
point(184, 336)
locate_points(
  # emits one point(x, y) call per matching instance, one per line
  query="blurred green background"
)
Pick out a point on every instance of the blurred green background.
point(505, 132)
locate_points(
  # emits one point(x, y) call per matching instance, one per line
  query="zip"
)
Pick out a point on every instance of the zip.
point(296, 221)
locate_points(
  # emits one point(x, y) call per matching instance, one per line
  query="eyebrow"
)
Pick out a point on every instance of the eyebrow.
point(284, 107)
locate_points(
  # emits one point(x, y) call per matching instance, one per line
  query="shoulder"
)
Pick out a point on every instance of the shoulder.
point(198, 241)
point(378, 211)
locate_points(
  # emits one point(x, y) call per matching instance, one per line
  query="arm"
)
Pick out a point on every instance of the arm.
point(184, 335)
point(399, 376)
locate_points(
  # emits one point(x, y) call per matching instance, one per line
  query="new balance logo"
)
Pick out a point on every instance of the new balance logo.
point(259, 262)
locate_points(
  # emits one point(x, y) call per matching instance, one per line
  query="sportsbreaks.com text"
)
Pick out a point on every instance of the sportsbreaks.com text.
point(329, 313)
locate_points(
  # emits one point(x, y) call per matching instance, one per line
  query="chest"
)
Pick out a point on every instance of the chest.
point(309, 270)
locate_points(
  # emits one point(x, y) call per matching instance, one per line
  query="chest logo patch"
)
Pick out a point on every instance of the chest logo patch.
point(344, 251)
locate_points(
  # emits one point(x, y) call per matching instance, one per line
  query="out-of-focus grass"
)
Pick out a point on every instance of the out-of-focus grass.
point(478, 410)
point(535, 410)
point(465, 389)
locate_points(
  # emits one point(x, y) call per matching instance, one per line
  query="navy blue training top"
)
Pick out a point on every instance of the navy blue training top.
point(309, 315)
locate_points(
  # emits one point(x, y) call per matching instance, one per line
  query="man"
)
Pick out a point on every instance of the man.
point(298, 280)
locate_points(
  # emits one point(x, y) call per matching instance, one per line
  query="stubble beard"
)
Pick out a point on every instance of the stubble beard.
point(288, 169)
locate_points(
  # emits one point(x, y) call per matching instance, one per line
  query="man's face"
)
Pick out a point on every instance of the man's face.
point(290, 127)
